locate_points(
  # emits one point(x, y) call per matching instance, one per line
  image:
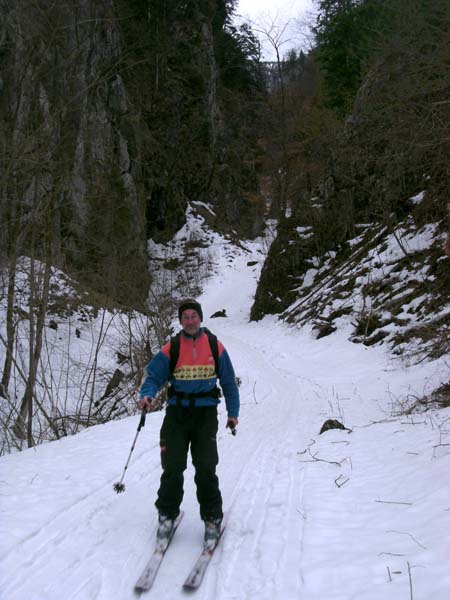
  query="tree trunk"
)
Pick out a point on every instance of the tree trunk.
point(10, 328)
point(35, 340)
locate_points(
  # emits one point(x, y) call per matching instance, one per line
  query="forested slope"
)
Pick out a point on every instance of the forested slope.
point(364, 155)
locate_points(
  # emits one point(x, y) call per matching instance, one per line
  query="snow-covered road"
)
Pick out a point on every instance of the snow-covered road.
point(339, 516)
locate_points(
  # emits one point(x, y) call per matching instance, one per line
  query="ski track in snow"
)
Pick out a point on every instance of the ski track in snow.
point(292, 532)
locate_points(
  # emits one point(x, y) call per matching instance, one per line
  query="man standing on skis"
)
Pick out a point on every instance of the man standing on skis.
point(191, 362)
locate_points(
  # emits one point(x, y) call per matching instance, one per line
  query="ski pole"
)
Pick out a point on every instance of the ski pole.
point(119, 486)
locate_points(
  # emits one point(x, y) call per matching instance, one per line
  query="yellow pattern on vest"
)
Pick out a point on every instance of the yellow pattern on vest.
point(194, 372)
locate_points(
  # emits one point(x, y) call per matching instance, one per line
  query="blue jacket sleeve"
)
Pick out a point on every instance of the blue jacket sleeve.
point(228, 384)
point(158, 373)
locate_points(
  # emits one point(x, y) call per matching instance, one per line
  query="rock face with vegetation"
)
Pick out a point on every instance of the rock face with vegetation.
point(113, 115)
point(69, 191)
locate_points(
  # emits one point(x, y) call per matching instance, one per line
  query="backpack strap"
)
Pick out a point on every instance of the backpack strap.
point(212, 339)
point(174, 352)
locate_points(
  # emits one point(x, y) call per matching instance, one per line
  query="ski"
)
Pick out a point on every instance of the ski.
point(145, 581)
point(197, 573)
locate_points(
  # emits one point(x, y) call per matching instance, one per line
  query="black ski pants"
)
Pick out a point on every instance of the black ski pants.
point(194, 427)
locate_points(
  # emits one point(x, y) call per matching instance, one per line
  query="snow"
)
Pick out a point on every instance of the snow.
point(418, 198)
point(343, 515)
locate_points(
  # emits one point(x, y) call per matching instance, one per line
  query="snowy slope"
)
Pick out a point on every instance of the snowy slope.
point(362, 515)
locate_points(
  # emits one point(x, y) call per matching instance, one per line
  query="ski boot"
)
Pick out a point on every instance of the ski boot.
point(212, 532)
point(165, 528)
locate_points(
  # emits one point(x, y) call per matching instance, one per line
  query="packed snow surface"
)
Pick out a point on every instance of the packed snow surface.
point(343, 515)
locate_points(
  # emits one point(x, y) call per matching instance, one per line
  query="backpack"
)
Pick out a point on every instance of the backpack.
point(175, 349)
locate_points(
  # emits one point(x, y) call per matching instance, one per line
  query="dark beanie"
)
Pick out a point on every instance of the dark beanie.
point(190, 304)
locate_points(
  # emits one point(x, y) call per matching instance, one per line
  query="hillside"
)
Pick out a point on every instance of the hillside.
point(88, 351)
point(359, 173)
point(384, 286)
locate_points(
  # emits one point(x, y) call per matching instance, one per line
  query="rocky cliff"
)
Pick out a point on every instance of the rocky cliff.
point(112, 118)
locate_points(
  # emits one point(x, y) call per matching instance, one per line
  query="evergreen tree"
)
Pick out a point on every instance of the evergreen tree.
point(346, 34)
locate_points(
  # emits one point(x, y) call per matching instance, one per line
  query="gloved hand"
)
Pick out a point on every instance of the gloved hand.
point(146, 403)
point(232, 423)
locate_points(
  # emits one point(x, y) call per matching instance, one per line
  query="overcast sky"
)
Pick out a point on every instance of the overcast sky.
point(266, 12)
